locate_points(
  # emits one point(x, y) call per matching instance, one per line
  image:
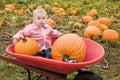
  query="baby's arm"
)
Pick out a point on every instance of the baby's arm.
point(55, 33)
point(21, 34)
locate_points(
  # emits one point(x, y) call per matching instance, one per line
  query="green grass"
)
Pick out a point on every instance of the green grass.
point(108, 68)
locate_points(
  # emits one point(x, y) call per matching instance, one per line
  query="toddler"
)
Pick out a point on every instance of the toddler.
point(40, 31)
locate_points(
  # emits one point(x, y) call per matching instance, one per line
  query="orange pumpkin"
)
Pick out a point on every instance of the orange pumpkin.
point(55, 3)
point(25, 22)
point(87, 19)
point(70, 45)
point(60, 11)
point(51, 22)
point(59, 19)
point(54, 9)
point(9, 7)
point(92, 32)
point(104, 27)
point(78, 25)
point(111, 35)
point(92, 13)
point(97, 24)
point(73, 12)
point(27, 46)
point(106, 21)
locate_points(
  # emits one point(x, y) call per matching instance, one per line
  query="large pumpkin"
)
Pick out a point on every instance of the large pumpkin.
point(27, 46)
point(69, 45)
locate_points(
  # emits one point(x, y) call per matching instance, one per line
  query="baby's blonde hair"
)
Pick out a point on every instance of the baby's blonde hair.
point(39, 11)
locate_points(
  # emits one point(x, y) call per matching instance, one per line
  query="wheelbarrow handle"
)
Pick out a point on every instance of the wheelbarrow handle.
point(50, 74)
point(7, 33)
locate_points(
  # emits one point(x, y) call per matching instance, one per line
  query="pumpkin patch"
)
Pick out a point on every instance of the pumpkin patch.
point(17, 14)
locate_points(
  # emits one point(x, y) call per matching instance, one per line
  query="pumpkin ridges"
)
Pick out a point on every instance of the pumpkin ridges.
point(62, 48)
point(72, 49)
point(82, 49)
point(80, 46)
point(69, 44)
point(57, 47)
point(57, 55)
point(79, 57)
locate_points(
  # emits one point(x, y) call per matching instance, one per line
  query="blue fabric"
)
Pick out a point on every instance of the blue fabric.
point(44, 53)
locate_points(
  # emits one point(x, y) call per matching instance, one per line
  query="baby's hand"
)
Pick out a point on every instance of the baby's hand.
point(15, 41)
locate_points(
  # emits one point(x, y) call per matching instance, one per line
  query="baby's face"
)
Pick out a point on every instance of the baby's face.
point(39, 20)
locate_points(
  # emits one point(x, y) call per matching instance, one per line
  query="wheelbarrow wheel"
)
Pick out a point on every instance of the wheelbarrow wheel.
point(87, 75)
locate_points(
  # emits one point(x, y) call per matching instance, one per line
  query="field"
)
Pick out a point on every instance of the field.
point(15, 18)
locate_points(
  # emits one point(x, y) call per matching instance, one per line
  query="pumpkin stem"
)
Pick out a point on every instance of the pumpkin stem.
point(24, 39)
point(92, 37)
point(65, 58)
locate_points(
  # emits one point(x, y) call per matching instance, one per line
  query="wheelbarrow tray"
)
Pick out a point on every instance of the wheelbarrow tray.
point(95, 52)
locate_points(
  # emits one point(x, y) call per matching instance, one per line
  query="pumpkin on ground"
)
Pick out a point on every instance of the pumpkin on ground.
point(78, 25)
point(97, 24)
point(27, 46)
point(104, 27)
point(73, 12)
point(92, 13)
point(87, 19)
point(92, 32)
point(106, 21)
point(110, 35)
point(51, 22)
point(69, 45)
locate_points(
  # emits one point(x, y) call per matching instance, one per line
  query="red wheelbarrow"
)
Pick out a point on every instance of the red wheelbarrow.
point(95, 53)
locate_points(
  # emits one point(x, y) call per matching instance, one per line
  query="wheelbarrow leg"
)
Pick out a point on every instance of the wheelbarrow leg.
point(39, 77)
point(87, 75)
point(28, 72)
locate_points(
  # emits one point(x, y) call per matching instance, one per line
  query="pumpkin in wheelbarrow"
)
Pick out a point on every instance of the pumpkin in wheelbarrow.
point(69, 46)
point(27, 46)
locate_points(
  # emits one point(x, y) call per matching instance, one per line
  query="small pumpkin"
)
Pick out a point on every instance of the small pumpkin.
point(69, 45)
point(26, 46)
point(92, 13)
point(111, 35)
point(9, 7)
point(55, 3)
point(60, 11)
point(73, 12)
point(104, 27)
point(92, 32)
point(54, 9)
point(106, 21)
point(51, 22)
point(78, 25)
point(25, 22)
point(87, 19)
point(97, 24)
point(59, 19)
